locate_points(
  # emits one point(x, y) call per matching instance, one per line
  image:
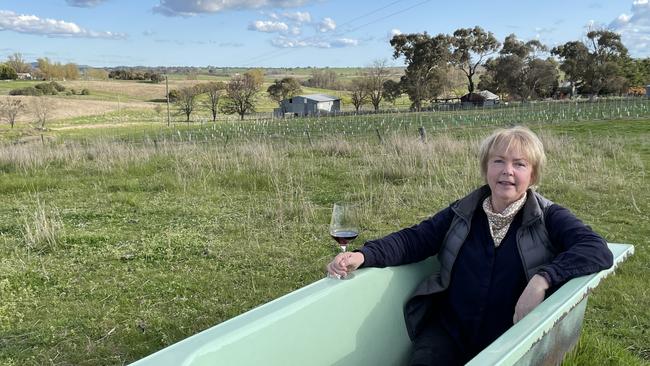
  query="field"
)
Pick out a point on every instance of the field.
point(120, 235)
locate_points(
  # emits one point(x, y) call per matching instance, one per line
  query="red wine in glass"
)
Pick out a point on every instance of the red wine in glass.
point(343, 237)
point(344, 226)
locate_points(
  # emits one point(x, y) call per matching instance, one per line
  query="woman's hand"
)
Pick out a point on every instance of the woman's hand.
point(344, 263)
point(532, 296)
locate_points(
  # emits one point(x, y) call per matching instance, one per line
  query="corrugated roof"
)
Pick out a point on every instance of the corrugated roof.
point(320, 97)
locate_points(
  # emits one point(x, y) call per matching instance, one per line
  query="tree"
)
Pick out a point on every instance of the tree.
point(471, 47)
point(325, 79)
point(10, 108)
point(283, 89)
point(359, 93)
point(7, 72)
point(377, 74)
point(96, 74)
point(519, 72)
point(214, 91)
point(425, 57)
point(187, 100)
point(392, 90)
point(17, 62)
point(594, 64)
point(257, 75)
point(70, 71)
point(41, 106)
point(240, 95)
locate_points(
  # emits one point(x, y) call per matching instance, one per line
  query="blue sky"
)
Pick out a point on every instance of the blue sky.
point(288, 33)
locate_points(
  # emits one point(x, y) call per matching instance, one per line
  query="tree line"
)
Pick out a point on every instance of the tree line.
point(598, 65)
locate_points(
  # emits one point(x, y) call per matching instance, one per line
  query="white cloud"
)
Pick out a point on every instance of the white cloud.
point(635, 28)
point(298, 16)
point(194, 7)
point(285, 42)
point(268, 26)
point(84, 3)
point(31, 24)
point(295, 31)
point(345, 42)
point(395, 32)
point(326, 25)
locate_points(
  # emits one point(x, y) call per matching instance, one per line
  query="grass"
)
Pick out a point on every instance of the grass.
point(153, 242)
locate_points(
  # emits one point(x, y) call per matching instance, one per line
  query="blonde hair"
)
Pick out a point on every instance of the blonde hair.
point(519, 138)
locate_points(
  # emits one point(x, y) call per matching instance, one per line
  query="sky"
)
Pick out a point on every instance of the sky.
point(288, 33)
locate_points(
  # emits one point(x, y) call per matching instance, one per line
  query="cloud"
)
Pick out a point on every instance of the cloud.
point(148, 33)
point(231, 44)
point(326, 25)
point(31, 24)
point(298, 16)
point(635, 28)
point(268, 26)
point(194, 7)
point(395, 32)
point(285, 42)
point(84, 3)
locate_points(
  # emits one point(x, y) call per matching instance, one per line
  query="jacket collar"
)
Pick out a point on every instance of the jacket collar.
point(466, 206)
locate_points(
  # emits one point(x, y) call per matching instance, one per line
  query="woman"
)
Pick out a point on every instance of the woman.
point(502, 249)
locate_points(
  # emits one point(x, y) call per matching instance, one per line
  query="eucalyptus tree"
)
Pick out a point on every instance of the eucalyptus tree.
point(426, 58)
point(595, 63)
point(520, 71)
point(285, 88)
point(470, 49)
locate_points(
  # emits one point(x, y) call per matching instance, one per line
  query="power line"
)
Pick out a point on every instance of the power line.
point(283, 51)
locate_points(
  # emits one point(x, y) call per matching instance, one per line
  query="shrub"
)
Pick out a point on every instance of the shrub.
point(46, 88)
point(58, 87)
point(27, 91)
point(72, 92)
point(85, 92)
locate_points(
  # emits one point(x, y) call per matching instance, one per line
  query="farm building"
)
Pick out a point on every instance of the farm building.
point(482, 98)
point(24, 76)
point(309, 105)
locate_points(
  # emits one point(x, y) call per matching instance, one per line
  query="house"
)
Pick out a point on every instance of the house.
point(482, 98)
point(25, 76)
point(309, 105)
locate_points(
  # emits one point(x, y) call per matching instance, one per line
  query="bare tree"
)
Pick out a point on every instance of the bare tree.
point(377, 75)
point(18, 63)
point(10, 108)
point(214, 90)
point(241, 91)
point(187, 101)
point(359, 93)
point(41, 106)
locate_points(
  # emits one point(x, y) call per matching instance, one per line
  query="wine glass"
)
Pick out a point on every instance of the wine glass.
point(344, 226)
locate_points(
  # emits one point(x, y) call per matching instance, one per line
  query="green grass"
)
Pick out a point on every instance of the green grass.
point(147, 243)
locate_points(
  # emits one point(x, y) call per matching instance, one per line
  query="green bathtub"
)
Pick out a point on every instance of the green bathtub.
point(359, 321)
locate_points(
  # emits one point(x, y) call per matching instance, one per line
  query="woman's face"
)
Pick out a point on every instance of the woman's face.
point(509, 174)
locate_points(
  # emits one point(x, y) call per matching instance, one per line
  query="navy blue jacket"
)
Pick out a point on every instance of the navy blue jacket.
point(486, 282)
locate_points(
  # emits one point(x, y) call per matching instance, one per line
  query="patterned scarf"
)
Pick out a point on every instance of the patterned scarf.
point(500, 222)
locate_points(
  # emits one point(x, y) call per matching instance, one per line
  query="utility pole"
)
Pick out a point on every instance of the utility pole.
point(167, 97)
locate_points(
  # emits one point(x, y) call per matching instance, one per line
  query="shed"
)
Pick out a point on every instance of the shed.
point(481, 98)
point(309, 105)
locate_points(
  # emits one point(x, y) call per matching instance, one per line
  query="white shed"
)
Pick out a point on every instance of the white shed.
point(309, 105)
